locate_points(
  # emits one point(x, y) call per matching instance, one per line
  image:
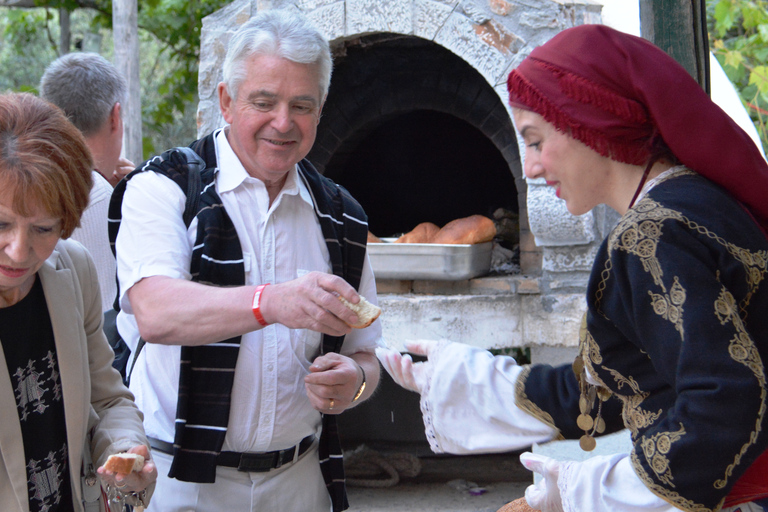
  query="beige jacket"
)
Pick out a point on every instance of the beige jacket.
point(94, 395)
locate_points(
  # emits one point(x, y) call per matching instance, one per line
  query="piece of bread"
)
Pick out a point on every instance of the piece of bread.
point(373, 239)
point(124, 463)
point(519, 505)
point(365, 311)
point(421, 234)
point(474, 229)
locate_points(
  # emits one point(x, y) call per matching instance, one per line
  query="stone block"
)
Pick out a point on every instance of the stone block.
point(393, 286)
point(552, 320)
point(554, 356)
point(429, 16)
point(329, 18)
point(492, 285)
point(483, 321)
point(528, 286)
point(569, 258)
point(459, 35)
point(551, 222)
point(366, 16)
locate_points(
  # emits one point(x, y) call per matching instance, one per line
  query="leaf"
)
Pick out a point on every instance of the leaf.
point(759, 78)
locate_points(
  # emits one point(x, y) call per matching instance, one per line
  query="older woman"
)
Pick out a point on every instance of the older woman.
point(675, 338)
point(61, 399)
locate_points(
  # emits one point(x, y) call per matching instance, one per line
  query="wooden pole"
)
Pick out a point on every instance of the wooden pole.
point(125, 33)
point(679, 28)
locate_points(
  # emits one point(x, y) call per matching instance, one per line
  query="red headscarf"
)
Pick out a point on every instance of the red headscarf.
point(618, 93)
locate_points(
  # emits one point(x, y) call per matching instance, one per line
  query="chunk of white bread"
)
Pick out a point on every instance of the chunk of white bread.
point(365, 311)
point(124, 462)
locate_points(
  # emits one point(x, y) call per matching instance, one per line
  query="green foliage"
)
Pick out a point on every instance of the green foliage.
point(738, 33)
point(172, 29)
point(521, 355)
point(169, 39)
point(25, 40)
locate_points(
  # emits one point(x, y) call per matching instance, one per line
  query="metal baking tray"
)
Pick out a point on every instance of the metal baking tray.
point(450, 262)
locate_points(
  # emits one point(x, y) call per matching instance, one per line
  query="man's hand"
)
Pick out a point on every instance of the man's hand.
point(333, 382)
point(311, 302)
point(122, 169)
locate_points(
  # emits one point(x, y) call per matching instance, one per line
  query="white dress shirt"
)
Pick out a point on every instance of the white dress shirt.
point(270, 409)
point(93, 234)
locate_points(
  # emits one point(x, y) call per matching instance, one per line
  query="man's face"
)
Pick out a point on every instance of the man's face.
point(273, 121)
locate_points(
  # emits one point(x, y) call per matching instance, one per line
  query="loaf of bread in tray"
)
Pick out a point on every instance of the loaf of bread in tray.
point(421, 234)
point(474, 229)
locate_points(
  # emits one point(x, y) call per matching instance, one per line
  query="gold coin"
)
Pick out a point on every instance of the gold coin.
point(584, 405)
point(578, 366)
point(587, 443)
point(585, 422)
point(600, 425)
point(603, 393)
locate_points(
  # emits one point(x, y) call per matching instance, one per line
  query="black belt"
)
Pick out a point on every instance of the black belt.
point(256, 462)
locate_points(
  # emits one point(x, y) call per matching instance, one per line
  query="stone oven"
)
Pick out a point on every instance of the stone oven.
point(417, 127)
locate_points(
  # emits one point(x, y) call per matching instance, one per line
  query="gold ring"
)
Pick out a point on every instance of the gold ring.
point(330, 407)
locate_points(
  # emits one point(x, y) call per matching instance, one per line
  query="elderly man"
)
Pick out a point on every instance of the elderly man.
point(89, 89)
point(244, 365)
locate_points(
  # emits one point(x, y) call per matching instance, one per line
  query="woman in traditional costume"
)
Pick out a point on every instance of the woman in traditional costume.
point(674, 342)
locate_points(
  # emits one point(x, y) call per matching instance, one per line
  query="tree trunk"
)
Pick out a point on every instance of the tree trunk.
point(64, 32)
point(125, 33)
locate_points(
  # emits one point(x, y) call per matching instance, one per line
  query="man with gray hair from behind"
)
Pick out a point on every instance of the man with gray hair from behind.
point(249, 352)
point(90, 91)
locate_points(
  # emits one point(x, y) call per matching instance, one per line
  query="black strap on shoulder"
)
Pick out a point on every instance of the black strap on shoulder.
point(179, 164)
point(195, 166)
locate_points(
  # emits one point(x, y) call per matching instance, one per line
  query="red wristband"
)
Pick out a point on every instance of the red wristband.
point(256, 307)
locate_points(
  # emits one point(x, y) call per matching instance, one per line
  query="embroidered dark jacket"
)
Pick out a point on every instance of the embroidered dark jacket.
point(204, 397)
point(676, 328)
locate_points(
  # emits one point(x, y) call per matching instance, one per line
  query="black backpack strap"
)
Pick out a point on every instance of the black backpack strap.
point(195, 166)
point(182, 165)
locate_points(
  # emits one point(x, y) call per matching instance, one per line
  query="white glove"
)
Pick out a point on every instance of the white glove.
point(402, 369)
point(545, 495)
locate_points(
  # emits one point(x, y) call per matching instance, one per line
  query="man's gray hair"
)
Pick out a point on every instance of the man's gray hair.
point(279, 33)
point(85, 86)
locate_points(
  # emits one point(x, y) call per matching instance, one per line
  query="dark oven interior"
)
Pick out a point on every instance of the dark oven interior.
point(416, 134)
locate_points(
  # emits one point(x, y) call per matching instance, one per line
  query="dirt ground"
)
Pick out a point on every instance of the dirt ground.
point(446, 484)
point(433, 497)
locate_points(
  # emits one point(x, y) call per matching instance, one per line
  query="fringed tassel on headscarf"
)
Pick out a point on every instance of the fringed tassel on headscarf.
point(527, 96)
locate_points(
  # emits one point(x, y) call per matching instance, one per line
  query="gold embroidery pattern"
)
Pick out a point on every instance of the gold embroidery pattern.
point(524, 403)
point(670, 307)
point(664, 493)
point(656, 448)
point(755, 263)
point(635, 418)
point(588, 347)
point(743, 350)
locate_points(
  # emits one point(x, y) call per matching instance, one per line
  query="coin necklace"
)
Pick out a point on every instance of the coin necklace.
point(589, 394)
